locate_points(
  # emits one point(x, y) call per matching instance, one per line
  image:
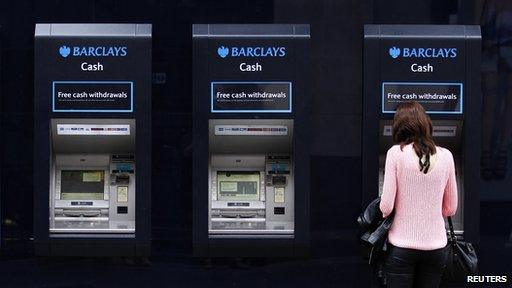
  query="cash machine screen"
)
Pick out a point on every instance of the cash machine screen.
point(82, 184)
point(234, 186)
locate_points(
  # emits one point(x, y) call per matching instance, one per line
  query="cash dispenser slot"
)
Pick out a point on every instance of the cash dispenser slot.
point(81, 213)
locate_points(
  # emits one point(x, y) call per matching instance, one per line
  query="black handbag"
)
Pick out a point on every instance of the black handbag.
point(373, 239)
point(374, 231)
point(462, 260)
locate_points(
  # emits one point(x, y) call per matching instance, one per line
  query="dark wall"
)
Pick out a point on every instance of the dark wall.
point(336, 29)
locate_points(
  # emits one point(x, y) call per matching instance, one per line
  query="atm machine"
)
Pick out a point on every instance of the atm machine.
point(438, 66)
point(251, 152)
point(92, 153)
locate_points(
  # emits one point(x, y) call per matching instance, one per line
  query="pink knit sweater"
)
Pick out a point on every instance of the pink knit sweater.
point(420, 201)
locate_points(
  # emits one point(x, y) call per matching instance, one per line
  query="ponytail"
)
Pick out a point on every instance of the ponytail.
point(424, 147)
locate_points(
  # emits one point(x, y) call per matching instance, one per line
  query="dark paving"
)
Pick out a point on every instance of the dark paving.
point(88, 273)
point(328, 268)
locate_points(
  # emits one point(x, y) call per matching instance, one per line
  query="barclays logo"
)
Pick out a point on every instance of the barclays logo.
point(224, 51)
point(93, 51)
point(406, 52)
point(64, 51)
point(394, 52)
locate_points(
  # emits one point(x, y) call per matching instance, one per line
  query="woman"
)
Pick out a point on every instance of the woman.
point(420, 189)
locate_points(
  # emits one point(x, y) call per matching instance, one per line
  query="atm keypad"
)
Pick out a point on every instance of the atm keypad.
point(279, 210)
point(122, 209)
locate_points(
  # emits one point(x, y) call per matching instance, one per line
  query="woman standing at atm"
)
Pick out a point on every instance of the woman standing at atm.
point(420, 189)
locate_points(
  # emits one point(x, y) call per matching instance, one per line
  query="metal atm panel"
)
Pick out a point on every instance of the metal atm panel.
point(261, 157)
point(103, 157)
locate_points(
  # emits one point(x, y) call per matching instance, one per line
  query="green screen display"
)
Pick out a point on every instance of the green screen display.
point(234, 186)
point(82, 184)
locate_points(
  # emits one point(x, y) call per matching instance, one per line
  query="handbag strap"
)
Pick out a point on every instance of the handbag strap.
point(452, 232)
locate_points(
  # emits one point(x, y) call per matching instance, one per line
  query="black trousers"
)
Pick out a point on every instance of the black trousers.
point(407, 268)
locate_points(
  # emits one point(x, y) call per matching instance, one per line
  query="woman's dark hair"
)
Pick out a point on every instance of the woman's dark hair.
point(412, 125)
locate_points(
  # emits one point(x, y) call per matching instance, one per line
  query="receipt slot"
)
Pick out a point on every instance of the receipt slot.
point(438, 66)
point(251, 151)
point(92, 140)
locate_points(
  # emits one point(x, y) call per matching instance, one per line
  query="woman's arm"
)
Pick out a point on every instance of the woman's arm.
point(387, 201)
point(450, 198)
